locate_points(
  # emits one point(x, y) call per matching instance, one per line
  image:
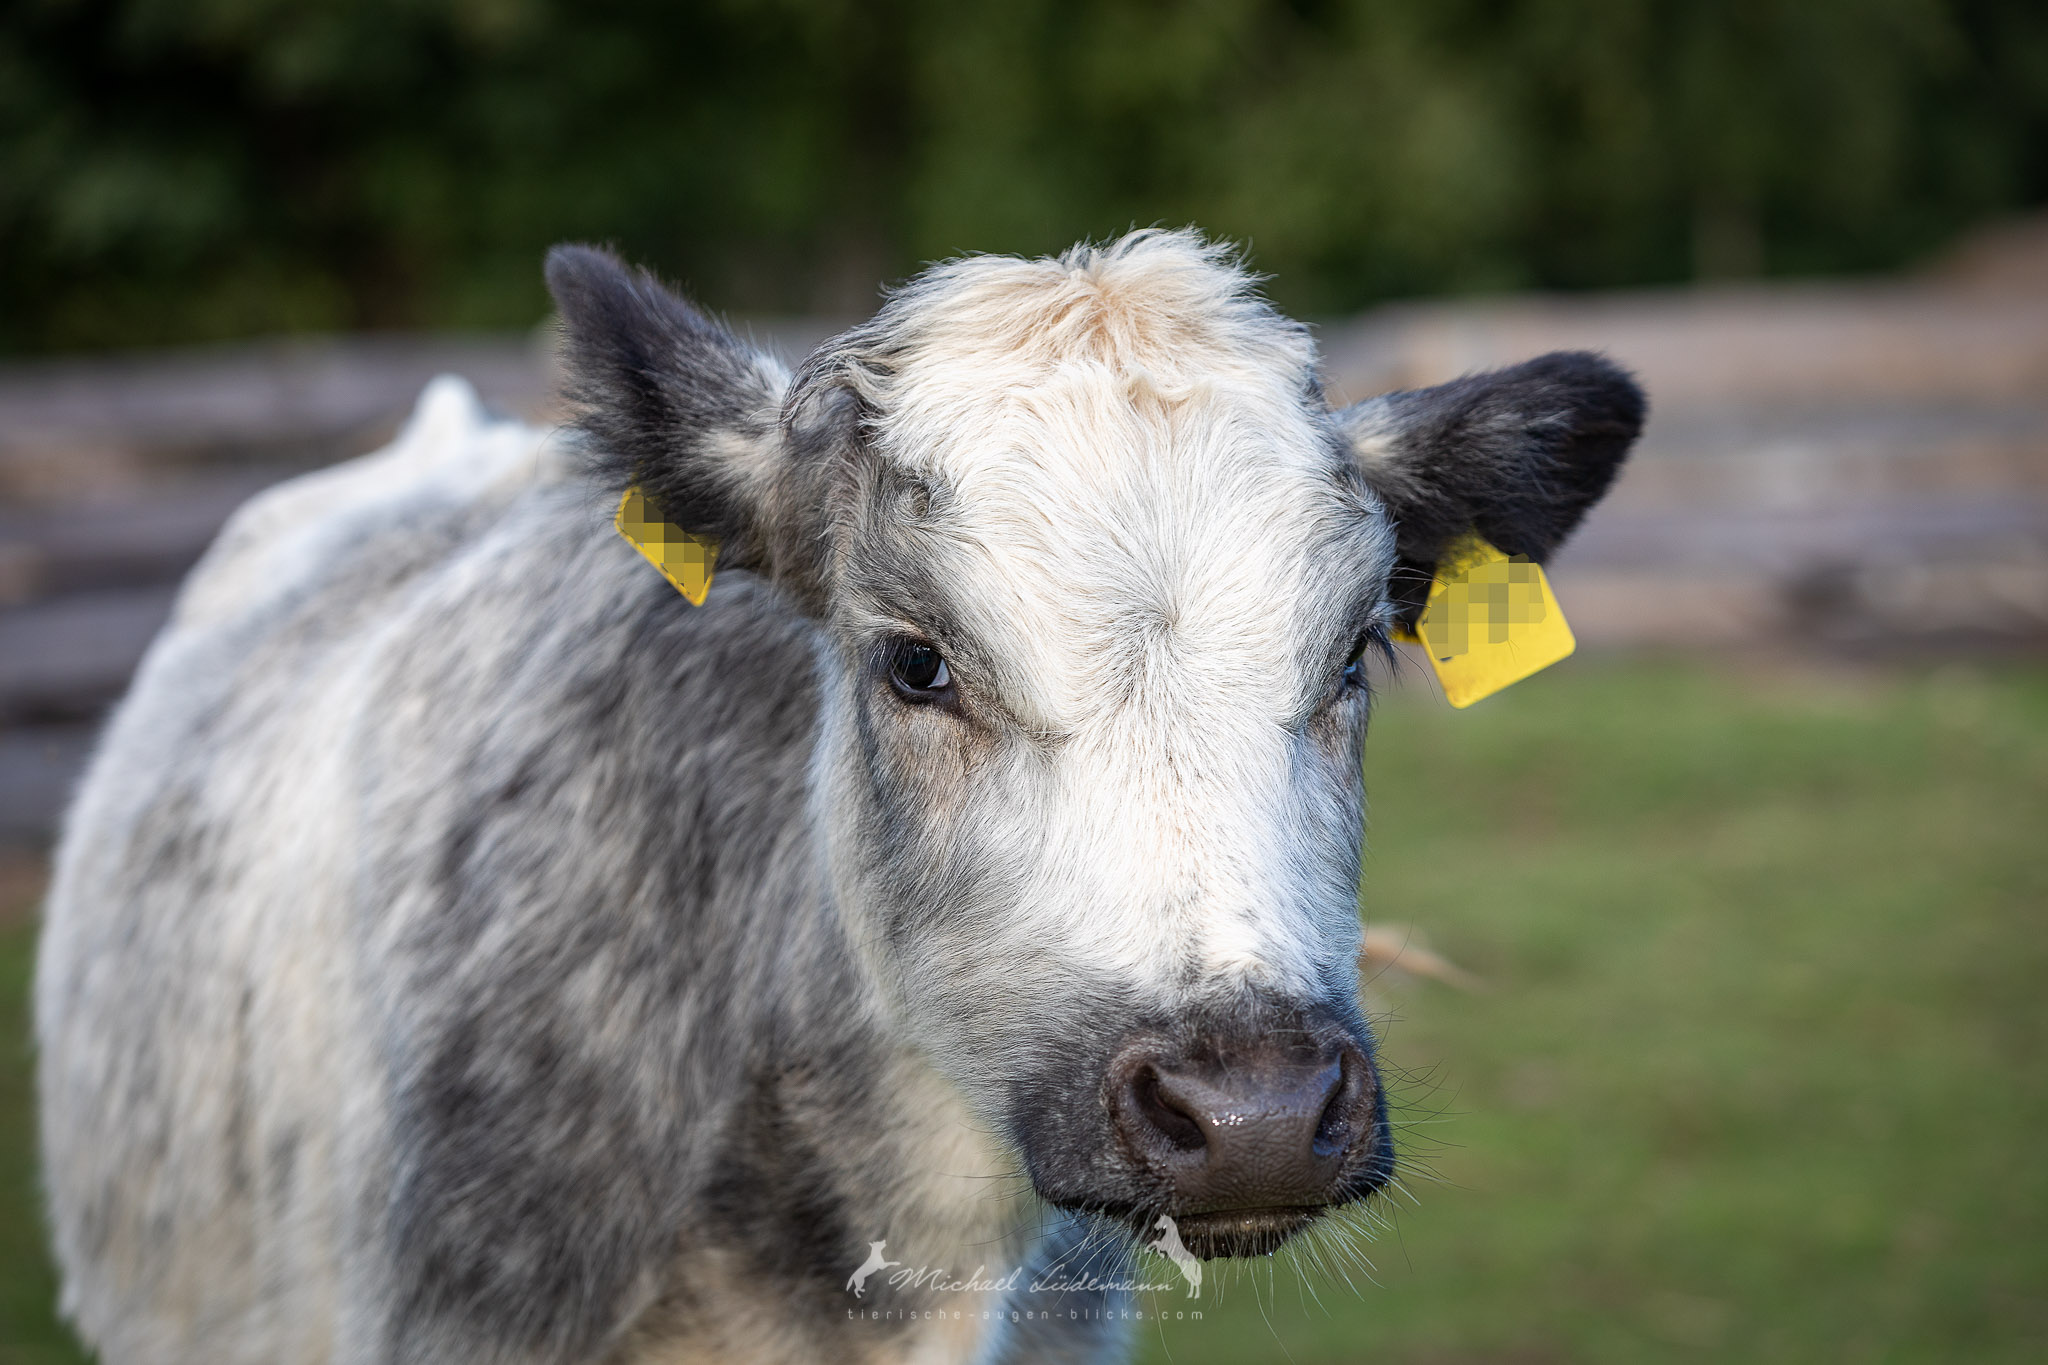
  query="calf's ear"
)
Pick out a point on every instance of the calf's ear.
point(669, 399)
point(1517, 455)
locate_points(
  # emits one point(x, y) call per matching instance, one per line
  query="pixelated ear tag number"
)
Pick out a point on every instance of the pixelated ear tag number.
point(1491, 620)
point(684, 560)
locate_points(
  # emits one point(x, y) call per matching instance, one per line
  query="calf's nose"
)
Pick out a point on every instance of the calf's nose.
point(1266, 1129)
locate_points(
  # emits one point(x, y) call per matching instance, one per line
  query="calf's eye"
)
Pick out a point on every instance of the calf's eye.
point(918, 672)
point(1354, 667)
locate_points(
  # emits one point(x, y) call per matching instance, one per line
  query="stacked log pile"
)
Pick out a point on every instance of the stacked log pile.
point(1857, 468)
point(1852, 468)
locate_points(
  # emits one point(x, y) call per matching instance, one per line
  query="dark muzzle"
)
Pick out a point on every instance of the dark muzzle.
point(1245, 1139)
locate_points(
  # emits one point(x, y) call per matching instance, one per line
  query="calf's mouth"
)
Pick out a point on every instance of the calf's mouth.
point(1241, 1232)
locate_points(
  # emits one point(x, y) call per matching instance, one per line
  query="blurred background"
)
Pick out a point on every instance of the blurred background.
point(1757, 883)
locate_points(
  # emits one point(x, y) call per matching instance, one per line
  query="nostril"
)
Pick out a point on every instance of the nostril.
point(1158, 1109)
point(1339, 1121)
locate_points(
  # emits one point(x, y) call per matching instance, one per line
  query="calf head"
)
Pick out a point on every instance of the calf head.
point(1095, 571)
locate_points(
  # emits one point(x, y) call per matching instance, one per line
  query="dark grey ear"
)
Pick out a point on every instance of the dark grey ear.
point(1517, 455)
point(671, 400)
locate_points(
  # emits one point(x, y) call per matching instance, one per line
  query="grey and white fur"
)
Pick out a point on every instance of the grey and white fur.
point(464, 950)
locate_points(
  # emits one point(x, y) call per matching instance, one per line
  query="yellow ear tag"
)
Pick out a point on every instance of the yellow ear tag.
point(1491, 620)
point(684, 560)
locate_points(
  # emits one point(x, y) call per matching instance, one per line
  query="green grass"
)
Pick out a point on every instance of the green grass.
point(1760, 1076)
point(29, 1331)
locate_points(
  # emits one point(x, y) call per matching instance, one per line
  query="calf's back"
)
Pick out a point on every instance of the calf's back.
point(433, 830)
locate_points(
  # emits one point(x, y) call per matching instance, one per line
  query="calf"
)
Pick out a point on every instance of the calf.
point(463, 949)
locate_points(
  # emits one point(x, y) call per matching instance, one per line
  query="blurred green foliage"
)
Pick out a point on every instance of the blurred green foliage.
point(181, 169)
